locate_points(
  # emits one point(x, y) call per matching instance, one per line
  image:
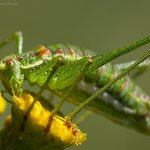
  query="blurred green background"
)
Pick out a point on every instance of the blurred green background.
point(94, 24)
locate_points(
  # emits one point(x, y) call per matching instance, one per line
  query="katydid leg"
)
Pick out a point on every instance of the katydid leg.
point(83, 117)
point(121, 75)
point(80, 67)
point(142, 68)
point(101, 60)
point(124, 66)
point(18, 38)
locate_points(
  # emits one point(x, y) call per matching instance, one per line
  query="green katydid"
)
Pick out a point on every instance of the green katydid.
point(69, 71)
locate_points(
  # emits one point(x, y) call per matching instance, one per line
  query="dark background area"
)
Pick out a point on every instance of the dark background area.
point(94, 24)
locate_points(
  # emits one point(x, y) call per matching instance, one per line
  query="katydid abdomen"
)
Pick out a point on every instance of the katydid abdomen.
point(125, 90)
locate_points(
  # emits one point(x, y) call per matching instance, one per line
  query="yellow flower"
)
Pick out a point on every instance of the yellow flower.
point(38, 128)
point(2, 104)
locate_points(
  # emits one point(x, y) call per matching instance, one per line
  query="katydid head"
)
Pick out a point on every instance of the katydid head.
point(10, 74)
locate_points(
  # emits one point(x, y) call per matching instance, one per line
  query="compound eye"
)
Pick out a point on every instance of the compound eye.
point(9, 62)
